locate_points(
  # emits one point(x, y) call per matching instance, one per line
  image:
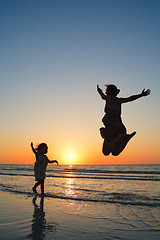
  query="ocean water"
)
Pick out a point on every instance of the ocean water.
point(106, 202)
point(105, 184)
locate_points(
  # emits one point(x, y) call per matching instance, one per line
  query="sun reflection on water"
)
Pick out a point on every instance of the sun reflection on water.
point(69, 186)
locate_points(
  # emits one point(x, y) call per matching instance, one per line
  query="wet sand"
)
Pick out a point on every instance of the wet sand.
point(36, 218)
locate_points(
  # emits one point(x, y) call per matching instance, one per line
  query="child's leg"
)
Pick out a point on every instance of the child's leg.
point(35, 186)
point(42, 186)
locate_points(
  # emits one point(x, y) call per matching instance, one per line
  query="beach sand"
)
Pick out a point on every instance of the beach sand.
point(25, 216)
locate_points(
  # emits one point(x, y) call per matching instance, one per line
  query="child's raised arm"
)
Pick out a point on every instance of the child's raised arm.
point(134, 97)
point(53, 161)
point(33, 148)
point(99, 90)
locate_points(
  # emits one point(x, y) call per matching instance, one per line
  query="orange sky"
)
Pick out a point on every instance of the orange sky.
point(83, 151)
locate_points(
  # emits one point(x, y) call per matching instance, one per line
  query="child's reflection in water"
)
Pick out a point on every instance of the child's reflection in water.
point(39, 226)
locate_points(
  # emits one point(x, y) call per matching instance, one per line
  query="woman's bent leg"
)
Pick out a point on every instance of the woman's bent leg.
point(106, 148)
point(121, 143)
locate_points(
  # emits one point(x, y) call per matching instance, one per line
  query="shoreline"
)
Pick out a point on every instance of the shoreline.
point(34, 217)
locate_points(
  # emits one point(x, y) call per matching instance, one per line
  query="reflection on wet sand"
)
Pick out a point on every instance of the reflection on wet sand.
point(40, 228)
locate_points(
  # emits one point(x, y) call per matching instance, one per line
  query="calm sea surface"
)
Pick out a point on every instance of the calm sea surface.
point(122, 184)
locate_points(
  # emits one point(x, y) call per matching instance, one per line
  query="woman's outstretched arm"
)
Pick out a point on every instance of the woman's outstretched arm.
point(135, 97)
point(99, 90)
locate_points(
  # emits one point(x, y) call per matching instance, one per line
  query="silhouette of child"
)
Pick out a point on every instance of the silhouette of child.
point(41, 165)
point(114, 133)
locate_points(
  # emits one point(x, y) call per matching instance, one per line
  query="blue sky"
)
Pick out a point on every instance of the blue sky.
point(54, 53)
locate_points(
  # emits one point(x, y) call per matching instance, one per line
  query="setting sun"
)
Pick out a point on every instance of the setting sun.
point(70, 159)
point(70, 156)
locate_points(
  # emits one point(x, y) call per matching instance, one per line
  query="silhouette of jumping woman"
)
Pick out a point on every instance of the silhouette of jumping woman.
point(114, 133)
